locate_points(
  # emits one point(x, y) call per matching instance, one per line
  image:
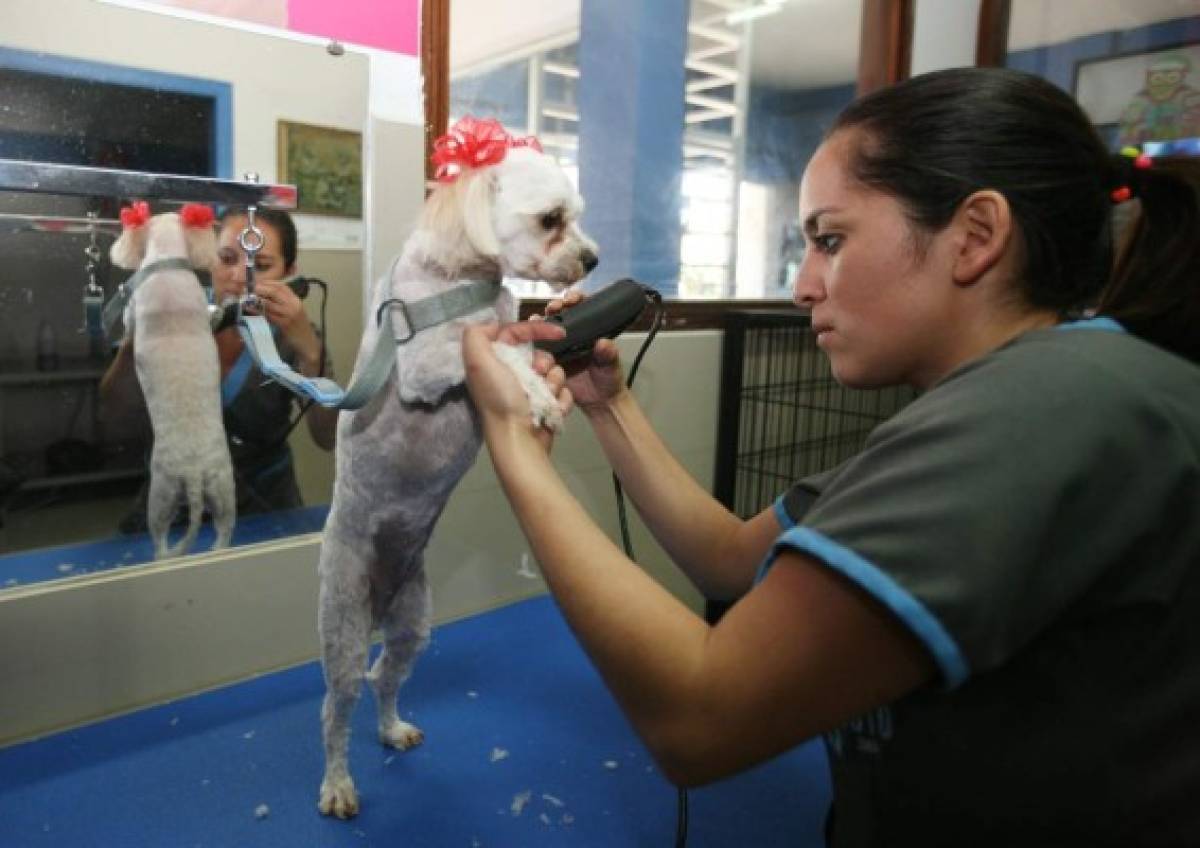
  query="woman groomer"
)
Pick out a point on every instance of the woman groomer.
point(258, 413)
point(992, 614)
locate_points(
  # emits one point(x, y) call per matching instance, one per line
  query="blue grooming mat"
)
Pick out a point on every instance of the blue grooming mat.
point(524, 747)
point(43, 564)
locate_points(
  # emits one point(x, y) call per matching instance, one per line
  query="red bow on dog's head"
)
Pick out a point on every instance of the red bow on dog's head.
point(196, 215)
point(474, 143)
point(135, 215)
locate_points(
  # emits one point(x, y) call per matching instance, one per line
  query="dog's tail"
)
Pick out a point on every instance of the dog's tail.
point(194, 494)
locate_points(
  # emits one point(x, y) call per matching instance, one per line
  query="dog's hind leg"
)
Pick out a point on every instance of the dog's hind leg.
point(193, 497)
point(344, 625)
point(405, 626)
point(222, 503)
point(160, 509)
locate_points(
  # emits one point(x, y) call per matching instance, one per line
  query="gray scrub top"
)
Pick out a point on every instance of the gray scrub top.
point(1034, 521)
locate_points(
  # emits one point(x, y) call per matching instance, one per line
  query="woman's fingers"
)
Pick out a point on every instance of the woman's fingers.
point(566, 401)
point(569, 299)
point(523, 332)
point(542, 362)
point(555, 378)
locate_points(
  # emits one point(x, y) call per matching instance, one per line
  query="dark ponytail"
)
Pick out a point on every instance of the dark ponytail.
point(935, 139)
point(1155, 287)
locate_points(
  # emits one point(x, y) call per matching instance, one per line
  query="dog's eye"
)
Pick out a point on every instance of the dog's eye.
point(552, 220)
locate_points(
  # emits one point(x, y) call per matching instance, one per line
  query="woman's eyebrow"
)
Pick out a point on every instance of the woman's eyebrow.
point(813, 219)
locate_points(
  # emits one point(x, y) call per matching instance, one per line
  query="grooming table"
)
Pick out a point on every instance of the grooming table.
point(524, 747)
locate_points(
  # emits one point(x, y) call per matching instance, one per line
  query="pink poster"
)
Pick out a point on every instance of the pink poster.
point(385, 24)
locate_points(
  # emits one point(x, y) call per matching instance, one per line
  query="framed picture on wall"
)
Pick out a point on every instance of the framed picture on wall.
point(1152, 96)
point(325, 165)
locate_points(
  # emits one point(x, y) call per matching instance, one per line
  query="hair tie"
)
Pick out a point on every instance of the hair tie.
point(1129, 162)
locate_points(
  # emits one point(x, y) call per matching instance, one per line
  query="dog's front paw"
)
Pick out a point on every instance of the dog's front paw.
point(543, 406)
point(401, 735)
point(546, 412)
point(338, 798)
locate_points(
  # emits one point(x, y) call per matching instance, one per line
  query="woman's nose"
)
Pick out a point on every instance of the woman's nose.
point(235, 272)
point(807, 288)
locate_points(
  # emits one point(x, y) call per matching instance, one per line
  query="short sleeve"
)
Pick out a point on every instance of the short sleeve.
point(791, 507)
point(998, 502)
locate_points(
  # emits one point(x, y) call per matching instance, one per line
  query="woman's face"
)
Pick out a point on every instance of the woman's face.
point(877, 301)
point(229, 274)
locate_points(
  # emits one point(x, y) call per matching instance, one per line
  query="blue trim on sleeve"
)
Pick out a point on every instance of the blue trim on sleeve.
point(1100, 322)
point(883, 588)
point(781, 514)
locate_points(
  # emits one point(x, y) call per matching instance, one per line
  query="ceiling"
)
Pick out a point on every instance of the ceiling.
point(807, 44)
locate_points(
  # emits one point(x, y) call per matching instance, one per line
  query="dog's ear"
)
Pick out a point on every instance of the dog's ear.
point(128, 251)
point(198, 234)
point(201, 246)
point(476, 199)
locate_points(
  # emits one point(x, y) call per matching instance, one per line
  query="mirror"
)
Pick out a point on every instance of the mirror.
point(168, 91)
point(698, 135)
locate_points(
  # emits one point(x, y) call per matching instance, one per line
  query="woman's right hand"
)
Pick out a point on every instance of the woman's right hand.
point(595, 380)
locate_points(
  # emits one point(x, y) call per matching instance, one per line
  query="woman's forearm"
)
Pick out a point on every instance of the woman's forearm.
point(717, 550)
point(646, 644)
point(119, 393)
point(322, 426)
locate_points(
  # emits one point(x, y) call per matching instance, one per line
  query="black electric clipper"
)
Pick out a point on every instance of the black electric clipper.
point(601, 315)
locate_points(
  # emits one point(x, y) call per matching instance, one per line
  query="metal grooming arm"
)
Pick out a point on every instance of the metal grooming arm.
point(82, 181)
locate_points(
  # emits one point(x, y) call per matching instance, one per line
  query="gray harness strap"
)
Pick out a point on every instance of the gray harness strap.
point(418, 315)
point(116, 306)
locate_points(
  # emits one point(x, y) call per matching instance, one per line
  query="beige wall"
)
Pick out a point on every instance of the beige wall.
point(138, 636)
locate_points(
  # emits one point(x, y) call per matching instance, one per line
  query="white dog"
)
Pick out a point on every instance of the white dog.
point(399, 458)
point(177, 366)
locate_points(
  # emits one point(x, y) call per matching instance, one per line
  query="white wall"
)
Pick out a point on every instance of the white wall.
point(944, 34)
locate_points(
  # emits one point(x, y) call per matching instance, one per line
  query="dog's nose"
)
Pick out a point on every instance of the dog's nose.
point(589, 259)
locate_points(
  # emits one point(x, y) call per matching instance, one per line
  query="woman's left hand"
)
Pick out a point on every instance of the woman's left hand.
point(283, 308)
point(494, 388)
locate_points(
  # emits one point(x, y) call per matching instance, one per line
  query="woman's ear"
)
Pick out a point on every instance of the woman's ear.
point(985, 225)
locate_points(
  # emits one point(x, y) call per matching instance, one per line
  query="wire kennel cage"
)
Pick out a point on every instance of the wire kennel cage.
point(783, 416)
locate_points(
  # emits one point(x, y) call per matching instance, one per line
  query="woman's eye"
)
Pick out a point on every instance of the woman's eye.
point(552, 220)
point(227, 257)
point(827, 243)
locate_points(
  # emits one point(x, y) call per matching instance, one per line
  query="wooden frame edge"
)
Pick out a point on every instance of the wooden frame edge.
point(991, 40)
point(885, 46)
point(435, 72)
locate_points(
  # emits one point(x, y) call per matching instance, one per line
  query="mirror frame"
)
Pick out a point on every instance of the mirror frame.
point(435, 71)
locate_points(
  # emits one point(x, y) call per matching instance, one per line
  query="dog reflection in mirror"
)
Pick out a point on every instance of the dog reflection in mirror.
point(502, 209)
point(176, 363)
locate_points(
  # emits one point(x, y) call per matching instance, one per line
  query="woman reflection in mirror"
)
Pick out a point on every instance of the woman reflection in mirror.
point(259, 414)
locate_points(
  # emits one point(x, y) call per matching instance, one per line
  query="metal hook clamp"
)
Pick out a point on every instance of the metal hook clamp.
point(251, 239)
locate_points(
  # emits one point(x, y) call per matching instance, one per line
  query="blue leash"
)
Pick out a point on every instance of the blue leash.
point(418, 315)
